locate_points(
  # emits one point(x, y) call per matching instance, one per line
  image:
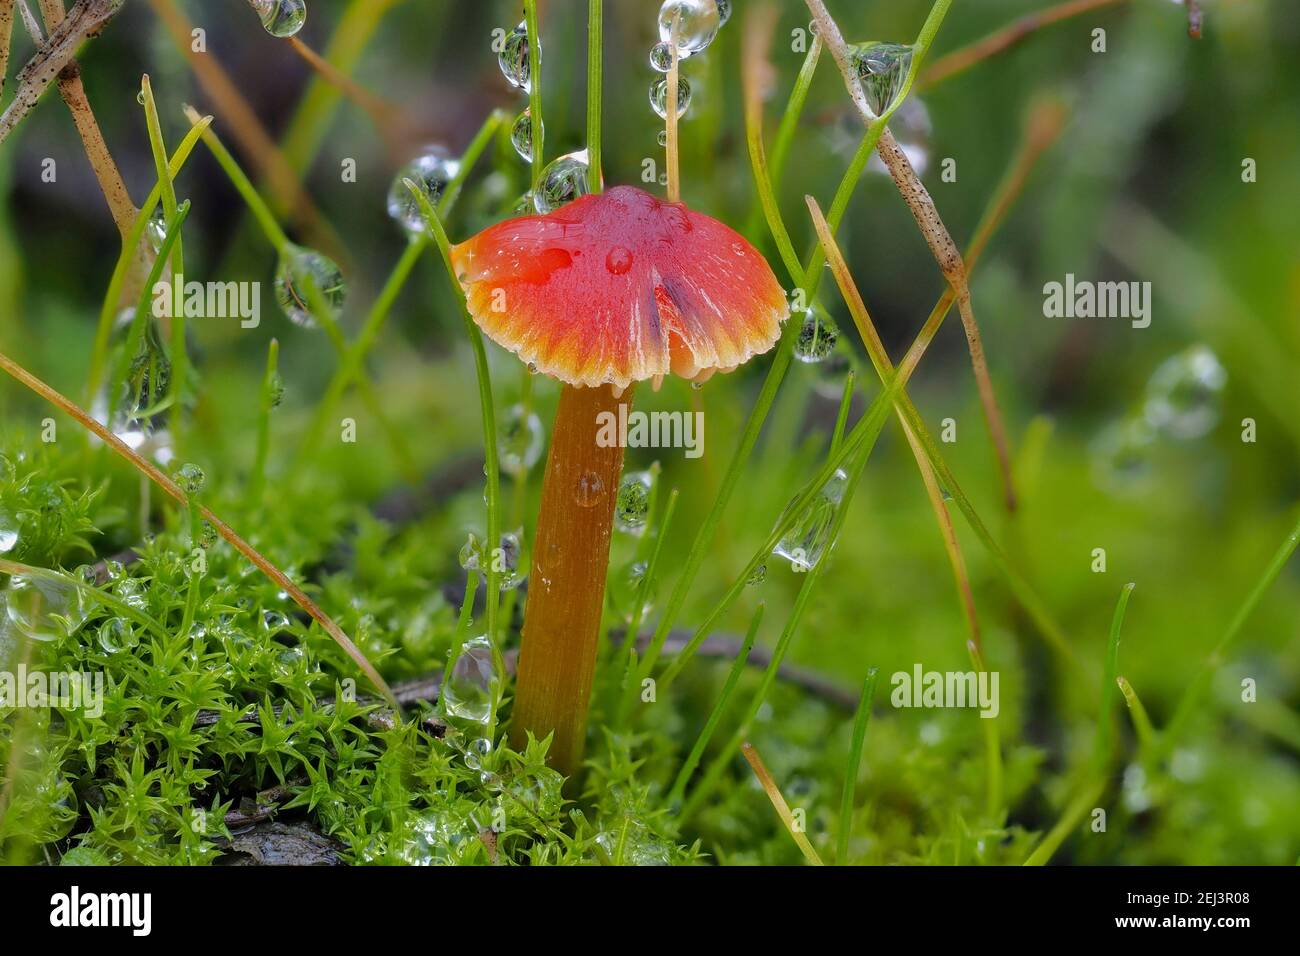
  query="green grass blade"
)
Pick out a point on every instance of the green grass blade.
point(855, 761)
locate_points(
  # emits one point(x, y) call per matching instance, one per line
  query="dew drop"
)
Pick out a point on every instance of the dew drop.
point(564, 179)
point(298, 267)
point(432, 172)
point(190, 477)
point(520, 437)
point(115, 636)
point(471, 553)
point(589, 490)
point(625, 587)
point(816, 339)
point(9, 528)
point(539, 791)
point(632, 506)
point(806, 541)
point(659, 96)
point(618, 261)
point(698, 23)
point(274, 622)
point(881, 68)
point(757, 576)
point(521, 135)
point(507, 561)
point(1122, 456)
point(469, 686)
point(280, 18)
point(513, 58)
point(1182, 398)
point(661, 57)
point(43, 609)
point(663, 137)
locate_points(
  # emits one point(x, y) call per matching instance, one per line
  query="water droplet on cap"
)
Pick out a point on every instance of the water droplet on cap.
point(618, 261)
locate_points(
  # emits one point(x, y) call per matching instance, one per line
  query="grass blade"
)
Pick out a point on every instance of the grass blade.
point(778, 803)
point(855, 761)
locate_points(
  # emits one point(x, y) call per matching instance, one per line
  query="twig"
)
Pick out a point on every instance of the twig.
point(6, 32)
point(936, 235)
point(84, 21)
point(673, 160)
point(73, 92)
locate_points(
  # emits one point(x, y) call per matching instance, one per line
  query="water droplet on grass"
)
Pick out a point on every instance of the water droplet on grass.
point(817, 338)
point(564, 179)
point(281, 18)
point(520, 437)
point(661, 57)
point(513, 58)
point(471, 553)
point(190, 477)
point(299, 266)
point(806, 541)
point(659, 96)
point(432, 172)
point(632, 507)
point(44, 609)
point(469, 686)
point(115, 636)
point(539, 791)
point(698, 23)
point(625, 587)
point(1183, 394)
point(1122, 455)
point(9, 529)
point(634, 844)
point(521, 135)
point(881, 69)
point(507, 560)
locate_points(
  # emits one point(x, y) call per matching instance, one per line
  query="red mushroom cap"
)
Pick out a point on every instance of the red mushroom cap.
point(620, 287)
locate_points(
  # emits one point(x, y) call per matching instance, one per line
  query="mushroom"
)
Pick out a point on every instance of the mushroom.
point(607, 291)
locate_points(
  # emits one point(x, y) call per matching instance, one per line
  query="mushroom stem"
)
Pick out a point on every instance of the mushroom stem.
point(566, 588)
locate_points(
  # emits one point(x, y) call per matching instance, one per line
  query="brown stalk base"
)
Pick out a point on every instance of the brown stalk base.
point(566, 585)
